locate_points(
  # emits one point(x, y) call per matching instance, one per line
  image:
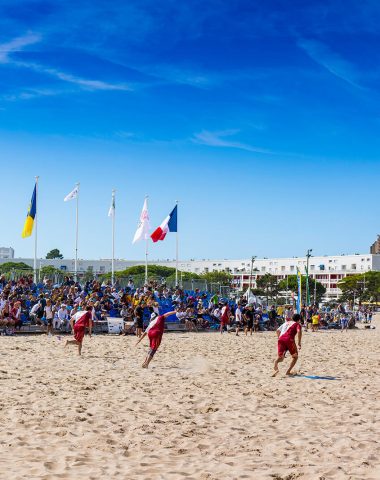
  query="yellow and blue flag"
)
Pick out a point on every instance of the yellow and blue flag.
point(299, 285)
point(30, 216)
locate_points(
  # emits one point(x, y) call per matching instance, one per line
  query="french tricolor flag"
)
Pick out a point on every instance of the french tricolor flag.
point(168, 225)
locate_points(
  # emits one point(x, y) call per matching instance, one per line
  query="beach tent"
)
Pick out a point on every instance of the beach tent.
point(252, 298)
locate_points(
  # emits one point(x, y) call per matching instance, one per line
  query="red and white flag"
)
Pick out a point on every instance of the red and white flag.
point(142, 232)
point(168, 225)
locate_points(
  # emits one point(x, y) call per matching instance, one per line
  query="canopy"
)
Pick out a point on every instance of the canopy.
point(251, 297)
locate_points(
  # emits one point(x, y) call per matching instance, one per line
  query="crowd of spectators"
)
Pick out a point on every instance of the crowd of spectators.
point(338, 317)
point(52, 306)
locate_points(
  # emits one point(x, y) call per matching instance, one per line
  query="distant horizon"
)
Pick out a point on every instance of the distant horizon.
point(187, 259)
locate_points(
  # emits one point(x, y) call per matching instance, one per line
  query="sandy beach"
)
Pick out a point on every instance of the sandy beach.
point(207, 408)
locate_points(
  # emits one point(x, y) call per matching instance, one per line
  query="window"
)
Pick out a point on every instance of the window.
point(282, 268)
point(263, 269)
point(321, 267)
point(102, 269)
point(312, 267)
point(353, 266)
point(292, 268)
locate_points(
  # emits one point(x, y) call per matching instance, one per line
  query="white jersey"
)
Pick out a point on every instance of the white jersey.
point(288, 325)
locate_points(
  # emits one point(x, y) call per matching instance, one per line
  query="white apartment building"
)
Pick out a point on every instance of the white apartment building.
point(7, 252)
point(327, 270)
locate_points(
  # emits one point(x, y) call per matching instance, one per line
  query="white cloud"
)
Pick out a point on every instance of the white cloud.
point(218, 139)
point(331, 61)
point(31, 93)
point(181, 76)
point(124, 135)
point(82, 82)
point(17, 45)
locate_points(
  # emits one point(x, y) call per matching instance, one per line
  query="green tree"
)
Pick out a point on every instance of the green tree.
point(372, 286)
point(267, 285)
point(49, 270)
point(55, 253)
point(224, 278)
point(293, 287)
point(153, 271)
point(9, 266)
point(184, 276)
point(138, 272)
point(363, 287)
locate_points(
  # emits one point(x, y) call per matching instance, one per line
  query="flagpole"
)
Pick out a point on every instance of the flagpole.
point(113, 238)
point(146, 261)
point(76, 234)
point(35, 236)
point(146, 249)
point(176, 253)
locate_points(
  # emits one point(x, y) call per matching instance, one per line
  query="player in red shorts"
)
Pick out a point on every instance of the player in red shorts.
point(154, 330)
point(83, 320)
point(286, 334)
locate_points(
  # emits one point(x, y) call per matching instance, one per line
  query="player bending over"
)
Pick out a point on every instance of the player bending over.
point(286, 334)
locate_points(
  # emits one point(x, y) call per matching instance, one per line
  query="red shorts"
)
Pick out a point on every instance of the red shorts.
point(154, 341)
point(286, 345)
point(79, 333)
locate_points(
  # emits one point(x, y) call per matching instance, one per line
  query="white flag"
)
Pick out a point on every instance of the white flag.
point(143, 227)
point(111, 211)
point(72, 194)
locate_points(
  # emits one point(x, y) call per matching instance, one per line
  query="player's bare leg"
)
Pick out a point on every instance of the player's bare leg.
point(276, 370)
point(293, 362)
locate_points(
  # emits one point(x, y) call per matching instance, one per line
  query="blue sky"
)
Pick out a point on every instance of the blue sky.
point(261, 118)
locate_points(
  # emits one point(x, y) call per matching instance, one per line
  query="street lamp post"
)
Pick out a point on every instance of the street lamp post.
point(250, 276)
point(308, 255)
